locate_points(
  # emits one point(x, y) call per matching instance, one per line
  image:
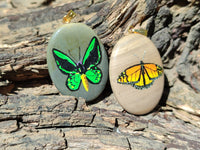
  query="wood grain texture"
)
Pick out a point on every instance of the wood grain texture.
point(30, 120)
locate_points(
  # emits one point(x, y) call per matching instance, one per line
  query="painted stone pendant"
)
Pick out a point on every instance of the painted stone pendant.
point(136, 74)
point(77, 61)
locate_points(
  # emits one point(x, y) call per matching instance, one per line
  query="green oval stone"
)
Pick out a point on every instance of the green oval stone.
point(77, 61)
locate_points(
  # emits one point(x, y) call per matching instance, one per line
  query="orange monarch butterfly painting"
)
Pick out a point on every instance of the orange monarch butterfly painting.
point(140, 76)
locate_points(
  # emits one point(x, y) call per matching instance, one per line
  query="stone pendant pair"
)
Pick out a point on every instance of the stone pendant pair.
point(78, 66)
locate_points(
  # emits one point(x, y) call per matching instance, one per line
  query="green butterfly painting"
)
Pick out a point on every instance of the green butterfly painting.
point(83, 71)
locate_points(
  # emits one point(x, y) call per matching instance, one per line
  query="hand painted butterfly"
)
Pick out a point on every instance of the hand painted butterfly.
point(141, 75)
point(85, 70)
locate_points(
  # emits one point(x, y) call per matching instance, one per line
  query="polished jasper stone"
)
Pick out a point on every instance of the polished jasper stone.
point(77, 61)
point(136, 74)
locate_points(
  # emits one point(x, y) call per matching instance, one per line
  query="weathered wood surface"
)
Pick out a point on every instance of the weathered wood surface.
point(30, 120)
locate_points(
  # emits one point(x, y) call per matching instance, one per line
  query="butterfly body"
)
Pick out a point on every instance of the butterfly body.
point(85, 82)
point(84, 71)
point(80, 68)
point(140, 76)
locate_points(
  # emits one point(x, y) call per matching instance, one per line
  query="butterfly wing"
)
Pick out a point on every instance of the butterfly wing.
point(144, 80)
point(141, 75)
point(68, 67)
point(94, 75)
point(91, 59)
point(154, 71)
point(65, 64)
point(130, 75)
point(150, 72)
point(92, 55)
point(73, 81)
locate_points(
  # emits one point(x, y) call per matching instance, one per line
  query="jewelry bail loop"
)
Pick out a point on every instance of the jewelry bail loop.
point(69, 16)
point(138, 31)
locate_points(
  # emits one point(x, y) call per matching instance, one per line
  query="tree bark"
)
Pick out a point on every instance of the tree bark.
point(33, 115)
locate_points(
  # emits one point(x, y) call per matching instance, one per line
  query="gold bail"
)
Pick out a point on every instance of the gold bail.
point(69, 16)
point(138, 31)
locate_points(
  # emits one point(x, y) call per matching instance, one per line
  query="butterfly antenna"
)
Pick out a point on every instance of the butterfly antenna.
point(79, 55)
point(71, 54)
point(143, 55)
point(136, 56)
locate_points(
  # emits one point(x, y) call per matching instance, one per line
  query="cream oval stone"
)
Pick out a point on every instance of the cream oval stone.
point(77, 61)
point(133, 93)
